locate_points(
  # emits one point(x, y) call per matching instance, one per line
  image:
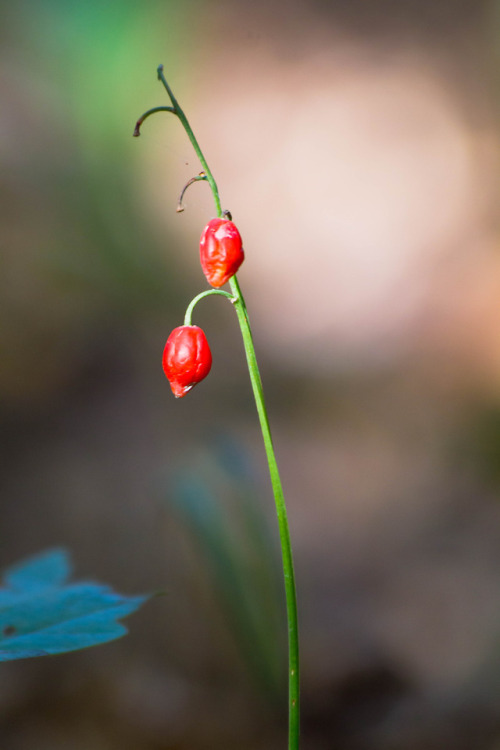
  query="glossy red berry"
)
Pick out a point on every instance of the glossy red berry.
point(187, 359)
point(221, 251)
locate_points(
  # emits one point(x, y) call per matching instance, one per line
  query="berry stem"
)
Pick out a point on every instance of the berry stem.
point(284, 532)
point(194, 302)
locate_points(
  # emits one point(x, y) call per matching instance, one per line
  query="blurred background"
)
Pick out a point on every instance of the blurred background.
point(357, 147)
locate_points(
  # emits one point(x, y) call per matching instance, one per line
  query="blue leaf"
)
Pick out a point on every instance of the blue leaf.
point(41, 614)
point(50, 568)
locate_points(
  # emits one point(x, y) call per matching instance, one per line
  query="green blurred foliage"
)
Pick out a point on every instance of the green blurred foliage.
point(78, 252)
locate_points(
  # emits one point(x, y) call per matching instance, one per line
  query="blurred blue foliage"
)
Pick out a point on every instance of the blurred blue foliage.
point(41, 614)
point(217, 499)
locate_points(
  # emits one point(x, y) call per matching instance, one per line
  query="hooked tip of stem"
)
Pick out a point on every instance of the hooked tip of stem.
point(159, 71)
point(147, 114)
point(200, 176)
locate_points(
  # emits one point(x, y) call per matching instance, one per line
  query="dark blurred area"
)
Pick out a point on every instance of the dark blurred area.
point(357, 146)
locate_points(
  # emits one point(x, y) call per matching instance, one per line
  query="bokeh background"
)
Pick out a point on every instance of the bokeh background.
point(357, 146)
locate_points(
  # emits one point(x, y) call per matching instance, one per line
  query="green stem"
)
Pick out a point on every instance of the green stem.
point(284, 532)
point(194, 302)
point(187, 127)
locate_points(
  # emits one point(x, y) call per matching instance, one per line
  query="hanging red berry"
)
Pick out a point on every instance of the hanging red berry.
point(221, 251)
point(187, 359)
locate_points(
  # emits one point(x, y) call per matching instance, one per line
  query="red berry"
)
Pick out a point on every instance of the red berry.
point(221, 251)
point(187, 359)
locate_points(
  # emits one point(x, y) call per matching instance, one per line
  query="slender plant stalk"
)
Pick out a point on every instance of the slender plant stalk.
point(286, 547)
point(284, 532)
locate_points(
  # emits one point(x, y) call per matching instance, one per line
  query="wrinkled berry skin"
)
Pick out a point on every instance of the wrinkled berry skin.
point(187, 359)
point(221, 251)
